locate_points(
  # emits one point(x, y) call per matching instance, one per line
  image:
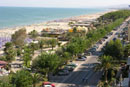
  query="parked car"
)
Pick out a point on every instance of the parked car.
point(111, 33)
point(84, 57)
point(48, 84)
point(81, 59)
point(72, 65)
point(69, 68)
point(63, 72)
point(105, 37)
point(93, 49)
point(95, 46)
point(100, 42)
point(114, 39)
point(117, 33)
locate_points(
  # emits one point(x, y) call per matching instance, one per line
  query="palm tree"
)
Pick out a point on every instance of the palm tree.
point(53, 43)
point(10, 54)
point(105, 65)
point(41, 43)
point(33, 47)
point(35, 79)
point(34, 34)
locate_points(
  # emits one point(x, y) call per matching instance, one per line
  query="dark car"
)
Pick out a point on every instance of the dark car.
point(63, 72)
point(105, 37)
point(69, 68)
point(81, 59)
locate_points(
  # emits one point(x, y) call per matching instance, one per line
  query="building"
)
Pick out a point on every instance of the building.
point(3, 64)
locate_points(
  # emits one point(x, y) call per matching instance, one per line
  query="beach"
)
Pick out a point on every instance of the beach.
point(54, 24)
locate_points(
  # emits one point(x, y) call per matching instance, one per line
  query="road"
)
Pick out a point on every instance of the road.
point(75, 79)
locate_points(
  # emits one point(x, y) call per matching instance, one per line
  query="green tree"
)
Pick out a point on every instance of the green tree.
point(5, 84)
point(114, 49)
point(105, 65)
point(10, 51)
point(41, 44)
point(127, 50)
point(75, 29)
point(46, 63)
point(27, 56)
point(21, 79)
point(8, 45)
point(73, 49)
point(10, 54)
point(33, 47)
point(66, 56)
point(33, 34)
point(19, 51)
point(35, 79)
point(53, 43)
point(18, 38)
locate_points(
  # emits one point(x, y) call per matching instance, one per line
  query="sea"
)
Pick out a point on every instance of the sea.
point(20, 16)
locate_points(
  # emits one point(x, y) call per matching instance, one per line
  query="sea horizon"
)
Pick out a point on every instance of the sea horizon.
point(12, 17)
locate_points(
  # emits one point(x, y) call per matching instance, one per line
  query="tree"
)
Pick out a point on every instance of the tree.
point(127, 50)
point(35, 79)
point(5, 84)
point(73, 49)
point(18, 38)
point(3, 58)
point(10, 54)
point(33, 47)
point(75, 29)
point(21, 79)
point(105, 65)
point(46, 63)
point(53, 43)
point(27, 56)
point(10, 51)
point(66, 56)
point(19, 51)
point(41, 43)
point(103, 84)
point(114, 49)
point(33, 34)
point(8, 45)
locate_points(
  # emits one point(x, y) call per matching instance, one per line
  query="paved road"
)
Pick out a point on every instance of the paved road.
point(75, 78)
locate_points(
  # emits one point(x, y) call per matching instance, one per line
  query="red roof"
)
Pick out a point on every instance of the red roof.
point(3, 62)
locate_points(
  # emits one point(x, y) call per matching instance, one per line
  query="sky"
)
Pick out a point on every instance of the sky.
point(63, 3)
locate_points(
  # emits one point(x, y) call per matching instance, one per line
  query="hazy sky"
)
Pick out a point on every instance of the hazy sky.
point(62, 3)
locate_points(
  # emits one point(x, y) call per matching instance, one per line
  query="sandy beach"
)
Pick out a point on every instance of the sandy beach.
point(55, 24)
